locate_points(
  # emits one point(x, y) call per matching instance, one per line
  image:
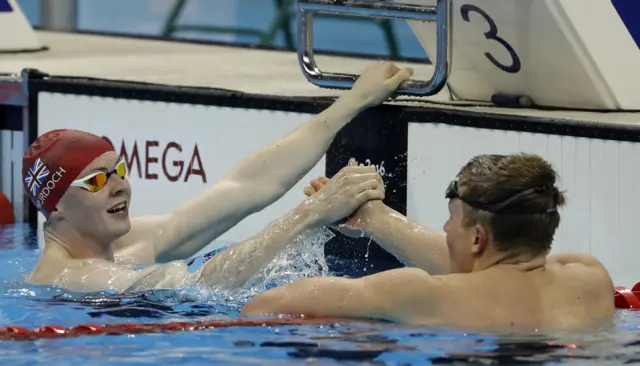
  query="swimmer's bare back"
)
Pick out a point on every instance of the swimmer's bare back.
point(567, 291)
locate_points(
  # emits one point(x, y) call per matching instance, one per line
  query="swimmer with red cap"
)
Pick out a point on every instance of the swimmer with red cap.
point(79, 183)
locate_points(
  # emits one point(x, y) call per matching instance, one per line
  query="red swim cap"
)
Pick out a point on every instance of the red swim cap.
point(54, 161)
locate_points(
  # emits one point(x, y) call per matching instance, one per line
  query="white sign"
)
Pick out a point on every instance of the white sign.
point(178, 150)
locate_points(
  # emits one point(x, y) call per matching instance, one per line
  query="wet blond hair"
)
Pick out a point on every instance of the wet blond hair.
point(488, 179)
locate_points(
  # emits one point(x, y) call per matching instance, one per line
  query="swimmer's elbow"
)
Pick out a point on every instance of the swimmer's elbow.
point(176, 276)
point(262, 304)
point(301, 297)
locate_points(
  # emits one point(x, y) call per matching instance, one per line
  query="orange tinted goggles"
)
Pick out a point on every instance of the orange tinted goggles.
point(96, 181)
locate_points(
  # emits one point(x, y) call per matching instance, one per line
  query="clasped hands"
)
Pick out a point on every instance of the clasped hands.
point(349, 199)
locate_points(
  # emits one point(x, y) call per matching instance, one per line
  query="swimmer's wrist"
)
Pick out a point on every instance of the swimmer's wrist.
point(306, 216)
point(375, 211)
point(354, 101)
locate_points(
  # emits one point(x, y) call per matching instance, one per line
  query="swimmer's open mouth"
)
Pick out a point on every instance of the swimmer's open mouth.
point(119, 208)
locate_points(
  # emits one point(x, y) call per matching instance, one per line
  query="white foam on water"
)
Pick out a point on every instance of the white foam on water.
point(303, 259)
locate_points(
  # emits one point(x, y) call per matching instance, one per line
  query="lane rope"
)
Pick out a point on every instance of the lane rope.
point(54, 331)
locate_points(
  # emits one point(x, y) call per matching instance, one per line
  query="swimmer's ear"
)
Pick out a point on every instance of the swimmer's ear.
point(480, 240)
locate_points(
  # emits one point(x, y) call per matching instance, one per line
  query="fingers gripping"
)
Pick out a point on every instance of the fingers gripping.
point(309, 191)
point(371, 189)
point(355, 170)
point(317, 184)
point(402, 76)
point(358, 178)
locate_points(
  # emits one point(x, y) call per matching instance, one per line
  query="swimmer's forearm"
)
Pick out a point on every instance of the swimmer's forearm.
point(314, 297)
point(317, 296)
point(234, 266)
point(413, 244)
point(387, 295)
point(278, 167)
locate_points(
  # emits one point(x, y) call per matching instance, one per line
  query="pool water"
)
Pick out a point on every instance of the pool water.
point(339, 343)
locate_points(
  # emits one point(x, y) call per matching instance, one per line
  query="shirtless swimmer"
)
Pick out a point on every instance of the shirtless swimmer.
point(78, 183)
point(489, 270)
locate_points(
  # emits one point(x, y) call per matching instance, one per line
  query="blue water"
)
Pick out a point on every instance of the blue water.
point(146, 17)
point(344, 343)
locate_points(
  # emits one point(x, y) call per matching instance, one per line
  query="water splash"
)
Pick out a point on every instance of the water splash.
point(304, 259)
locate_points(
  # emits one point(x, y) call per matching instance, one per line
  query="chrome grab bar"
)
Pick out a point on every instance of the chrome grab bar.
point(374, 9)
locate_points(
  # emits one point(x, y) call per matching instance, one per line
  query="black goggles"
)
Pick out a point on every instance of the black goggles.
point(501, 206)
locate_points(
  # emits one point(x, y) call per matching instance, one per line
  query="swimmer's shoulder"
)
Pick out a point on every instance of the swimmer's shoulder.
point(583, 259)
point(583, 271)
point(579, 264)
point(584, 285)
point(50, 265)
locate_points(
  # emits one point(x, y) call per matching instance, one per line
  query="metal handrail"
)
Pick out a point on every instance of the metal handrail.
point(375, 9)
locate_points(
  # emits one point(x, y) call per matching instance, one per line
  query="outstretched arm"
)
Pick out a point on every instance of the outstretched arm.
point(263, 177)
point(236, 264)
point(401, 295)
point(413, 244)
point(351, 187)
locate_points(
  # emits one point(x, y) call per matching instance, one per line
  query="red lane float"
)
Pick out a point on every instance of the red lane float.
point(627, 299)
point(53, 331)
point(6, 211)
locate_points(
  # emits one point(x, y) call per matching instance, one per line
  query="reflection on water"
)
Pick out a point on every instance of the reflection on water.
point(345, 343)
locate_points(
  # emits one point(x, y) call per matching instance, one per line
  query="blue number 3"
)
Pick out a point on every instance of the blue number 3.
point(492, 35)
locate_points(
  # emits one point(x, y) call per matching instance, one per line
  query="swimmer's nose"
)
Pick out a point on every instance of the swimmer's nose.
point(117, 186)
point(120, 192)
